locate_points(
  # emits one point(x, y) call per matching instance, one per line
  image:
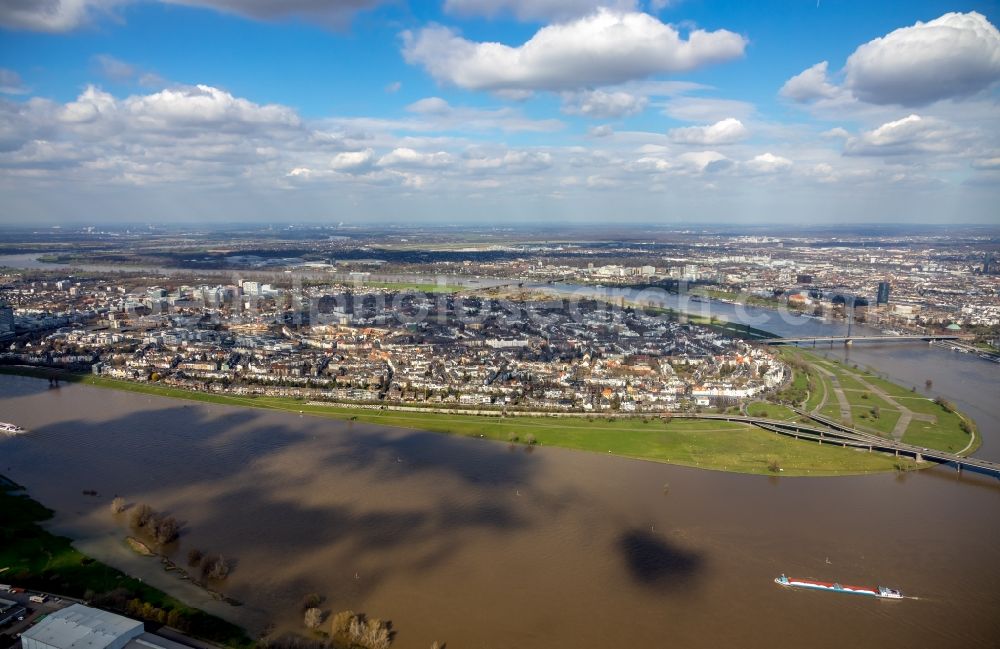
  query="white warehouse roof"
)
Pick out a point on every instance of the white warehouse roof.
point(81, 627)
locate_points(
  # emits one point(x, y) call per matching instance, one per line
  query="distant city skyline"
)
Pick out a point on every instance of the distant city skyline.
point(499, 111)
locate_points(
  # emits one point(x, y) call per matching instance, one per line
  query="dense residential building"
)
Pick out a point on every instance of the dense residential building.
point(526, 326)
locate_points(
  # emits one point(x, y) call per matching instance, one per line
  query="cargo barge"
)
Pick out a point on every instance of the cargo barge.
point(878, 591)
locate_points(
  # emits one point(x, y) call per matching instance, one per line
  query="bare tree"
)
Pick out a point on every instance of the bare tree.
point(117, 505)
point(356, 630)
point(214, 567)
point(341, 623)
point(165, 529)
point(370, 633)
point(195, 556)
point(946, 405)
point(376, 634)
point(313, 618)
point(142, 515)
point(312, 600)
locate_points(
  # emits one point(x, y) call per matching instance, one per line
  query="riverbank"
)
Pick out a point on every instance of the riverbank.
point(861, 398)
point(32, 557)
point(706, 444)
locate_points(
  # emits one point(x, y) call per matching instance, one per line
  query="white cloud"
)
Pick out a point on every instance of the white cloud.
point(430, 106)
point(437, 114)
point(151, 80)
point(335, 13)
point(22, 122)
point(513, 94)
point(597, 181)
point(704, 161)
point(50, 15)
point(603, 48)
point(200, 105)
point(91, 105)
point(952, 57)
point(533, 9)
point(649, 164)
point(583, 157)
point(511, 162)
point(699, 109)
point(119, 71)
point(414, 181)
point(67, 15)
point(203, 146)
point(393, 88)
point(809, 84)
point(767, 163)
point(986, 163)
point(660, 87)
point(197, 136)
point(909, 135)
point(955, 55)
point(727, 131)
point(10, 83)
point(353, 160)
point(603, 104)
point(48, 156)
point(114, 69)
point(175, 108)
point(406, 157)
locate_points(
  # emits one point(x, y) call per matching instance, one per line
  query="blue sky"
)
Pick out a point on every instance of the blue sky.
point(687, 110)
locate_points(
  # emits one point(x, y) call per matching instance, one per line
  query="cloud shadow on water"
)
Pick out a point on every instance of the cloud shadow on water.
point(655, 562)
point(240, 468)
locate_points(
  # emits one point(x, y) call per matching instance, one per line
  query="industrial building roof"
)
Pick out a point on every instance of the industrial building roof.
point(151, 641)
point(81, 627)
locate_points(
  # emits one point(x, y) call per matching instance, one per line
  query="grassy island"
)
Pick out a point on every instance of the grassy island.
point(861, 398)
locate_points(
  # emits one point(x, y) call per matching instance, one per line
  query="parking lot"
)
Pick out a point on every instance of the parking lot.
point(23, 613)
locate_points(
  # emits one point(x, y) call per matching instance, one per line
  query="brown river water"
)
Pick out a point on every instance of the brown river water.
point(481, 545)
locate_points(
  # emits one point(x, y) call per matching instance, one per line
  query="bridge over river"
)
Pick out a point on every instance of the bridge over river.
point(841, 435)
point(849, 339)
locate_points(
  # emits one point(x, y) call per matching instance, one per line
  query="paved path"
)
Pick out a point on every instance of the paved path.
point(845, 406)
point(826, 396)
point(905, 414)
point(905, 417)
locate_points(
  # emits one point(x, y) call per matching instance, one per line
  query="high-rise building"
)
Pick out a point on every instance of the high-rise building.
point(6, 321)
point(251, 288)
point(883, 293)
point(989, 264)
